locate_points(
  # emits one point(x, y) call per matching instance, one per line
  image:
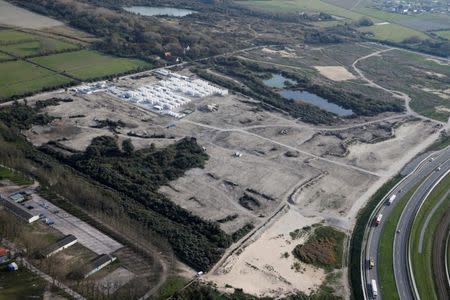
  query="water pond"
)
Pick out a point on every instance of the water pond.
point(316, 100)
point(277, 81)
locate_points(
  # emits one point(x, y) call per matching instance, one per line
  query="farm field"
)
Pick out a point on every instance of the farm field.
point(20, 77)
point(13, 36)
point(4, 56)
point(302, 6)
point(88, 64)
point(402, 27)
point(392, 32)
point(38, 46)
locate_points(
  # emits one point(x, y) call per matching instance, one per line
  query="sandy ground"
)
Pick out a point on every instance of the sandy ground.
point(260, 268)
point(335, 73)
point(18, 17)
point(322, 173)
point(389, 156)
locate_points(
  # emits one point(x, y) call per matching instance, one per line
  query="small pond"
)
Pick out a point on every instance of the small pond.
point(316, 100)
point(277, 81)
point(159, 11)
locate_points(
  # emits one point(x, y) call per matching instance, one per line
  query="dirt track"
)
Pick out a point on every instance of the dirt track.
point(438, 265)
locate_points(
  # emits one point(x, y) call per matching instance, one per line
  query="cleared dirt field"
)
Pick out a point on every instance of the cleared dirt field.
point(261, 267)
point(321, 173)
point(18, 17)
point(335, 73)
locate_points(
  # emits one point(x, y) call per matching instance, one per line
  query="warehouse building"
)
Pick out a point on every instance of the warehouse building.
point(19, 210)
point(99, 263)
point(60, 245)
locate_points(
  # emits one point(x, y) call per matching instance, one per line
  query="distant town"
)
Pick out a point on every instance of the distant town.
point(413, 7)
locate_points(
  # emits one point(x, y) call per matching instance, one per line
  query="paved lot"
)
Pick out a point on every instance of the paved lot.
point(87, 235)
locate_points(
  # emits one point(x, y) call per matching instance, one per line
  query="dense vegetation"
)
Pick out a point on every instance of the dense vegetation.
point(324, 248)
point(132, 178)
point(126, 34)
point(251, 74)
point(204, 292)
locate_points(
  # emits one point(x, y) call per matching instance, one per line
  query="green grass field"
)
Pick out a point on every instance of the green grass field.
point(385, 258)
point(421, 262)
point(392, 32)
point(41, 46)
point(20, 77)
point(4, 57)
point(13, 36)
point(444, 34)
point(88, 64)
point(301, 6)
point(14, 177)
point(20, 285)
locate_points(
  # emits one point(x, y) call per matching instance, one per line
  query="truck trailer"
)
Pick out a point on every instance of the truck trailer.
point(373, 285)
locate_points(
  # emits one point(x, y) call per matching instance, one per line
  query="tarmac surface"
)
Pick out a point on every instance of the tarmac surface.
point(428, 172)
point(87, 235)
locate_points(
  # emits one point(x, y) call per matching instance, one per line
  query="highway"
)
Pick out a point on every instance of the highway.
point(427, 173)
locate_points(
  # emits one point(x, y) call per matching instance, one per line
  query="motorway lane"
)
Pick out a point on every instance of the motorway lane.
point(424, 170)
point(401, 243)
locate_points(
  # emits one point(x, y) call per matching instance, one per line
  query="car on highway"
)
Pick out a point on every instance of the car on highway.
point(371, 263)
point(378, 219)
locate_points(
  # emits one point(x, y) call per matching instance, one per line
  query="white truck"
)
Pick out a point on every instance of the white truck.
point(391, 199)
point(373, 285)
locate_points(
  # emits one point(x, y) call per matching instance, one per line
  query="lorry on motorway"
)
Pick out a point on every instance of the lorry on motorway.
point(391, 199)
point(373, 285)
point(378, 219)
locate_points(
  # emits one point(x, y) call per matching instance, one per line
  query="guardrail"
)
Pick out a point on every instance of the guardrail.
point(447, 257)
point(410, 271)
point(372, 216)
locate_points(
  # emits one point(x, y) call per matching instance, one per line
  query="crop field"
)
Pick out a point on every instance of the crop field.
point(401, 27)
point(37, 46)
point(20, 77)
point(4, 57)
point(13, 36)
point(392, 32)
point(302, 6)
point(88, 64)
point(421, 260)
